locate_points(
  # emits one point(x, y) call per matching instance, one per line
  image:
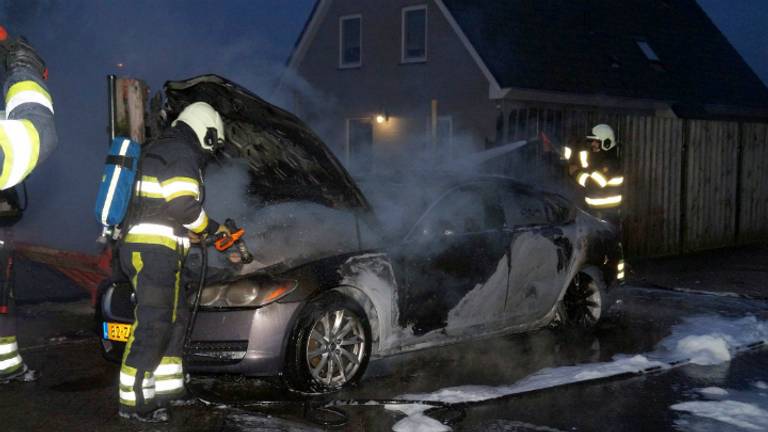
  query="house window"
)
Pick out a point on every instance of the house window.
point(650, 54)
point(414, 34)
point(350, 41)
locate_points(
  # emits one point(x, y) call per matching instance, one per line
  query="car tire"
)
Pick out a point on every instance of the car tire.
point(98, 317)
point(582, 306)
point(330, 345)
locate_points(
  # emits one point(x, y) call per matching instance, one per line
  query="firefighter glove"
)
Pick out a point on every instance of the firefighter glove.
point(223, 231)
point(19, 53)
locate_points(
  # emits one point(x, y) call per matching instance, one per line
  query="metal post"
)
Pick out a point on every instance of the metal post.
point(111, 91)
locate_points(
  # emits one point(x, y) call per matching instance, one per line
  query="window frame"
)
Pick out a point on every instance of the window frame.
point(403, 13)
point(342, 19)
point(348, 138)
point(477, 187)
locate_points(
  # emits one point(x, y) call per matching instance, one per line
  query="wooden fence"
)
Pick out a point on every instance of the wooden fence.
point(690, 184)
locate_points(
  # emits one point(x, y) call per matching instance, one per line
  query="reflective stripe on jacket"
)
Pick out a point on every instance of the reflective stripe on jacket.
point(27, 134)
point(170, 190)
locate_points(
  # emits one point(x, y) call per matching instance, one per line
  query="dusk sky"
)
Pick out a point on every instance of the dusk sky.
point(247, 41)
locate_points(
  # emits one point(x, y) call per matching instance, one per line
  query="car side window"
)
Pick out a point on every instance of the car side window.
point(462, 211)
point(521, 208)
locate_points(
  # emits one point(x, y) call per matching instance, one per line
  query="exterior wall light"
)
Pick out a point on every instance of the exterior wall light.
point(380, 119)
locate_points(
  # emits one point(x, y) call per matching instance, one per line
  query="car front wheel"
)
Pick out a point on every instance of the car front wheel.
point(330, 346)
point(582, 305)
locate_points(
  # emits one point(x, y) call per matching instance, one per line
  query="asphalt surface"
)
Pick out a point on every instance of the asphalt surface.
point(77, 390)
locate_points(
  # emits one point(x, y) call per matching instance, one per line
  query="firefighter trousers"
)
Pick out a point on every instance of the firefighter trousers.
point(152, 372)
point(10, 360)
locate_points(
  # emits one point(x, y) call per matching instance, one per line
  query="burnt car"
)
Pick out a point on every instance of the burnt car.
point(338, 281)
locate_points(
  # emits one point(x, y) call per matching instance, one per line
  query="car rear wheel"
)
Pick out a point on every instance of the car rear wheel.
point(582, 305)
point(330, 346)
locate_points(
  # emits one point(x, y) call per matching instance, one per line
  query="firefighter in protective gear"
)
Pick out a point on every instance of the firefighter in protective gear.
point(598, 171)
point(27, 137)
point(168, 207)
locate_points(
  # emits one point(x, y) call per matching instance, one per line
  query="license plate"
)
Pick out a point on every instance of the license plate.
point(117, 331)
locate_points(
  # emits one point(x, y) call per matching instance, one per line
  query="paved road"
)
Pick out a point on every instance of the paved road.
point(78, 389)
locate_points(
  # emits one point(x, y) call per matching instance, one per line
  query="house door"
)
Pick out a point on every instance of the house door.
point(360, 145)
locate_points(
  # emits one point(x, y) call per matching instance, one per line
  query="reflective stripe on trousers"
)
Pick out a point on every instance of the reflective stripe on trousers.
point(128, 389)
point(167, 380)
point(10, 360)
point(169, 376)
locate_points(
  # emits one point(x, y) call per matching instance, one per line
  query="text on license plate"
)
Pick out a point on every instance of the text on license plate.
point(117, 331)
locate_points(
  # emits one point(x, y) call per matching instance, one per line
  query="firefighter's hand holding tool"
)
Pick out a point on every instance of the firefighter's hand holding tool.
point(195, 238)
point(227, 236)
point(230, 235)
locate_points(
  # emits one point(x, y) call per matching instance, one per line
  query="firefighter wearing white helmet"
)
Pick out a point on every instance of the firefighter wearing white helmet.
point(165, 218)
point(599, 173)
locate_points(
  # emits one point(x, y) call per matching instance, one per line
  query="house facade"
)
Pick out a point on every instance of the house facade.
point(386, 80)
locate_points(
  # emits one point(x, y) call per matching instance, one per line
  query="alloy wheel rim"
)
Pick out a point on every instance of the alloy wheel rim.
point(583, 302)
point(335, 348)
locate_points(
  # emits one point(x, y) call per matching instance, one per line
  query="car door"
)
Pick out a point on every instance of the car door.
point(454, 263)
point(540, 253)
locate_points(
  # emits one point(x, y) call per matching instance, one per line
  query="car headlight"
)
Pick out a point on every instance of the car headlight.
point(247, 293)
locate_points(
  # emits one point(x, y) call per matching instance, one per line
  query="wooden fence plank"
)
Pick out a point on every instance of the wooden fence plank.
point(651, 158)
point(712, 162)
point(754, 182)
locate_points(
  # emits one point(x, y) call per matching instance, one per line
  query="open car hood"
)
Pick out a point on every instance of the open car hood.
point(288, 161)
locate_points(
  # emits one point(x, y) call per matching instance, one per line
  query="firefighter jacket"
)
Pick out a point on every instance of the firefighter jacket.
point(27, 132)
point(599, 173)
point(169, 194)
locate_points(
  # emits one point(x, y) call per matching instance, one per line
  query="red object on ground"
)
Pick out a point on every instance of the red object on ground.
point(3, 34)
point(87, 271)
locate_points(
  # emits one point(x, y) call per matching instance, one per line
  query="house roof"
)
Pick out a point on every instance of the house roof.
point(591, 47)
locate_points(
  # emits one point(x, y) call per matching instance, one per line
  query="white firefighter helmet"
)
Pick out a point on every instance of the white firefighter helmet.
point(206, 122)
point(605, 135)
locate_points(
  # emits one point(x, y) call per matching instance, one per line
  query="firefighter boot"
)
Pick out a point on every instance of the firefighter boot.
point(23, 374)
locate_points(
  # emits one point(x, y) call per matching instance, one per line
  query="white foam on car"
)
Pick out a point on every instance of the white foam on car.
point(700, 340)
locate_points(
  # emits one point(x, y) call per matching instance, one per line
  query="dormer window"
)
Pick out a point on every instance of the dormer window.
point(350, 41)
point(414, 34)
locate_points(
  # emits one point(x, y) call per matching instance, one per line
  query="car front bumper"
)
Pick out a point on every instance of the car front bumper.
point(250, 342)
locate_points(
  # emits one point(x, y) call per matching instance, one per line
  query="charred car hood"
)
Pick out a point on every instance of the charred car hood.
point(288, 161)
